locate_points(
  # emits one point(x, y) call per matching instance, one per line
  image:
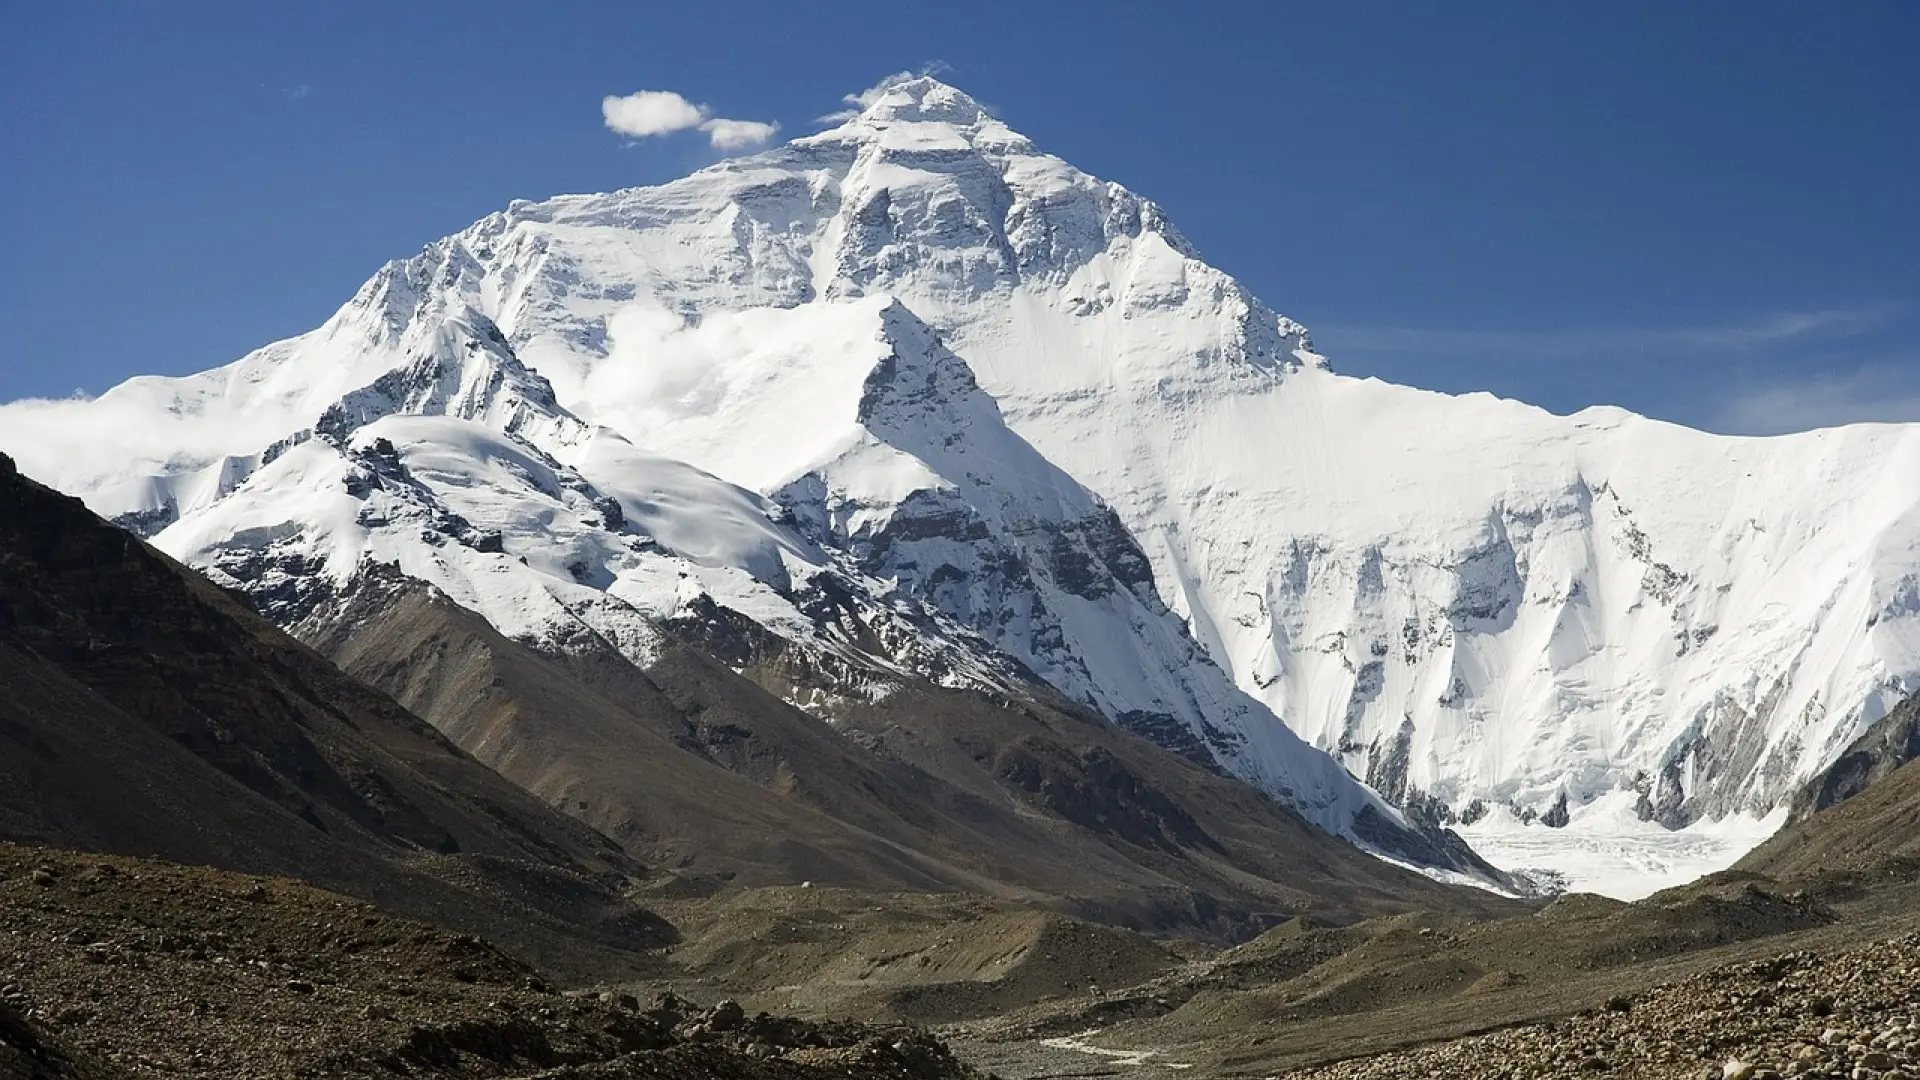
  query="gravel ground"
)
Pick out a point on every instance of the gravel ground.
point(1853, 1014)
point(145, 969)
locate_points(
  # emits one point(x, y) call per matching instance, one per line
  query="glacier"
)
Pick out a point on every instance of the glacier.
point(914, 369)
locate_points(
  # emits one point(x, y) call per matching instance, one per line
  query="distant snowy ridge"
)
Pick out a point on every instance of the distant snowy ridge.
point(1010, 401)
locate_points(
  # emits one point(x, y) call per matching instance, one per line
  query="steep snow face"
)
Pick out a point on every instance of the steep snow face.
point(937, 495)
point(1142, 473)
point(1478, 604)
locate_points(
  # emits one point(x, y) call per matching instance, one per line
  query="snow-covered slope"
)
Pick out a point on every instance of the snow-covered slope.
point(906, 530)
point(1008, 403)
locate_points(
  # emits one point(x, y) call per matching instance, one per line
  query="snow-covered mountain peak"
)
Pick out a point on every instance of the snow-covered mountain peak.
point(468, 371)
point(916, 371)
point(901, 103)
point(986, 390)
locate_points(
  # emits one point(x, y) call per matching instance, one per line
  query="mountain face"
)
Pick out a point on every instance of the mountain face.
point(921, 535)
point(696, 763)
point(918, 398)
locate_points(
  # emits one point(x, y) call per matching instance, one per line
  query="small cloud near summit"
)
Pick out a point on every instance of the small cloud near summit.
point(644, 114)
point(734, 134)
point(858, 103)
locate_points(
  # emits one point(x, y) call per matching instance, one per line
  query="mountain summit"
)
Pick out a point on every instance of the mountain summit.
point(920, 399)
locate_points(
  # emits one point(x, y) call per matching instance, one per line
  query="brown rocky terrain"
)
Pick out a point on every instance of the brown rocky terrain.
point(1853, 1013)
point(1840, 1000)
point(135, 968)
point(920, 957)
point(128, 968)
point(1802, 961)
point(1741, 971)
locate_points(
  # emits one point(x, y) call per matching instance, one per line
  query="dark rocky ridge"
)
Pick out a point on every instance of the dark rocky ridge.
point(1863, 814)
point(147, 712)
point(28, 1052)
point(1884, 748)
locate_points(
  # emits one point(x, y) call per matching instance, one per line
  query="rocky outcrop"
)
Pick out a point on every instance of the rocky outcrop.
point(1885, 747)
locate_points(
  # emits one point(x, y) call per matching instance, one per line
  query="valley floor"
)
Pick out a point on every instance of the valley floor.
point(1839, 1000)
point(115, 969)
point(127, 969)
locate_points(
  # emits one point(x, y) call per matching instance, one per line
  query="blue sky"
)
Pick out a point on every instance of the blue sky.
point(1704, 212)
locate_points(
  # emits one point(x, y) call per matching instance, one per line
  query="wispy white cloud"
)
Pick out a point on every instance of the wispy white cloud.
point(727, 134)
point(859, 102)
point(78, 442)
point(1885, 393)
point(645, 114)
point(1782, 328)
point(1790, 326)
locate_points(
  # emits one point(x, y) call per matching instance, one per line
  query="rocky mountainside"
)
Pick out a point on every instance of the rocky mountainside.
point(1882, 750)
point(146, 712)
point(916, 396)
point(1862, 816)
point(128, 967)
point(460, 469)
point(152, 714)
point(697, 762)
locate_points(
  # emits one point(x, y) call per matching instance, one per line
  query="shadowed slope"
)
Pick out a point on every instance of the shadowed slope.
point(146, 712)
